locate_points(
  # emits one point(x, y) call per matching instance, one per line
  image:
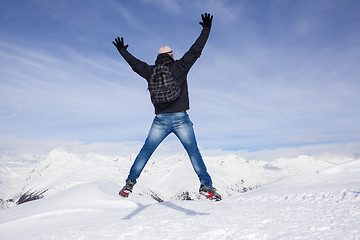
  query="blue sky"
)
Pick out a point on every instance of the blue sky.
point(272, 74)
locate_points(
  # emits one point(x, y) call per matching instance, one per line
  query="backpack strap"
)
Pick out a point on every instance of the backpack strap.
point(165, 63)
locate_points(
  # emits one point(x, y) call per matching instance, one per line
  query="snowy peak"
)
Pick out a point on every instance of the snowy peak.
point(168, 177)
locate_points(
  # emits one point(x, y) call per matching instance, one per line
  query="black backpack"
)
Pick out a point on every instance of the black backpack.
point(162, 85)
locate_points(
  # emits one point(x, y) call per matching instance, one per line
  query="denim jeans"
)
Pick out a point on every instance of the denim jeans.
point(178, 123)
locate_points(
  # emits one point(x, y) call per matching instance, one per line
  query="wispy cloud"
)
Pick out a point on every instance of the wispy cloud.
point(280, 94)
point(271, 74)
point(171, 6)
point(52, 91)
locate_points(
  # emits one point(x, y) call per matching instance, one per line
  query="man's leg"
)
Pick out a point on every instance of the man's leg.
point(183, 129)
point(157, 133)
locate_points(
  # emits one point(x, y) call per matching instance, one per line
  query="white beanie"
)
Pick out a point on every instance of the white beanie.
point(165, 49)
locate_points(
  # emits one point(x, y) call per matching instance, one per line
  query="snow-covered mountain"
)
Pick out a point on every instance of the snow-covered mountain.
point(290, 198)
point(169, 177)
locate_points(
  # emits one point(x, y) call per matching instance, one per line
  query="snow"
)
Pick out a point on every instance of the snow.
point(287, 198)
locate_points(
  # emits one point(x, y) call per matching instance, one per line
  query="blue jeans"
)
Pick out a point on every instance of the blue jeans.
point(178, 123)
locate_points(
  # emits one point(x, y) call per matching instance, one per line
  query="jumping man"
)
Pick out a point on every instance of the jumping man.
point(170, 108)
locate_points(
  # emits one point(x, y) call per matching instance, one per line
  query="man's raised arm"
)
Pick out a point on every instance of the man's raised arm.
point(140, 67)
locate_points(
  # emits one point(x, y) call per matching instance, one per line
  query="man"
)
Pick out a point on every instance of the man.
point(171, 117)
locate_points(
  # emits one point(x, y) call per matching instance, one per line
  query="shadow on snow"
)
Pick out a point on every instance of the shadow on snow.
point(165, 204)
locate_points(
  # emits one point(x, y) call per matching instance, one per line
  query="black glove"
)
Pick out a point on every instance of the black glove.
point(206, 20)
point(119, 44)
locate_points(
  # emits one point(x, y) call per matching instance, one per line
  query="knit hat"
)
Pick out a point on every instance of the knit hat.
point(166, 49)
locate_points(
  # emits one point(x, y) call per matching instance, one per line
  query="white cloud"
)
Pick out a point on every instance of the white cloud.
point(263, 79)
point(51, 92)
point(335, 153)
point(223, 11)
point(172, 6)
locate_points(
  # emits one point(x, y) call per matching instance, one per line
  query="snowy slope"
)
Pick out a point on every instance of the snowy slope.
point(170, 177)
point(299, 198)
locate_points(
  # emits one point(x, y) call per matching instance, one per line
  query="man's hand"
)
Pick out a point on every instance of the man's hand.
point(119, 44)
point(206, 20)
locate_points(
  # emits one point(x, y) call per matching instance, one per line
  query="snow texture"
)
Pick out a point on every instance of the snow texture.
point(298, 198)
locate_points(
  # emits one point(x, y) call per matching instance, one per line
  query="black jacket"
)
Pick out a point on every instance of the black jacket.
point(178, 68)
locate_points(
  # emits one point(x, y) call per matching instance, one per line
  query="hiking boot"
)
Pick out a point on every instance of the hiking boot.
point(127, 189)
point(209, 192)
